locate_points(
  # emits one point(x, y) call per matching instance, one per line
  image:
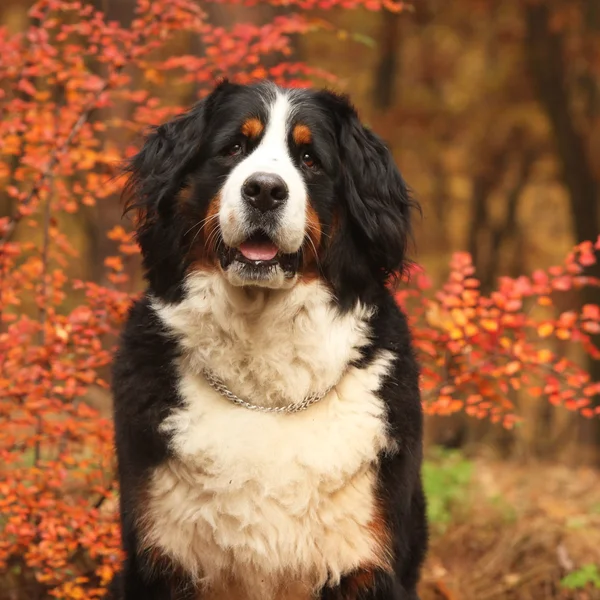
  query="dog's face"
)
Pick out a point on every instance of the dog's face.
point(266, 155)
point(269, 186)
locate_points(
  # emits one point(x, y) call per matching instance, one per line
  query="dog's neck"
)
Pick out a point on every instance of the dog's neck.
point(270, 347)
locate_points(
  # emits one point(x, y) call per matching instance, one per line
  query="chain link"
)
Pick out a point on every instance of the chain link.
point(217, 385)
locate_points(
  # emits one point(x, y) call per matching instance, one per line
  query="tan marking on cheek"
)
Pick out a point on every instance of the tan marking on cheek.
point(252, 128)
point(211, 220)
point(210, 226)
point(311, 269)
point(203, 250)
point(302, 135)
point(314, 233)
point(313, 225)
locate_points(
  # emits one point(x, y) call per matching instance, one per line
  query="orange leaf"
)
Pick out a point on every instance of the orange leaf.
point(489, 325)
point(535, 392)
point(114, 262)
point(545, 329)
point(512, 367)
point(591, 327)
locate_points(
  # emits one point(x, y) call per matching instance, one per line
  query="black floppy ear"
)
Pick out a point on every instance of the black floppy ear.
point(377, 199)
point(156, 175)
point(159, 170)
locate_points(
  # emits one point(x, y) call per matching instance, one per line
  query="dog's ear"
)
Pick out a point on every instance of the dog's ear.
point(377, 200)
point(159, 170)
point(156, 176)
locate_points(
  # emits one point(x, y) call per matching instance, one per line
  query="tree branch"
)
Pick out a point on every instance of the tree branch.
point(545, 53)
point(48, 174)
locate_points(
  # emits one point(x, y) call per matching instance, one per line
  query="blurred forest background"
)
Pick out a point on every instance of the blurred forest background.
point(492, 110)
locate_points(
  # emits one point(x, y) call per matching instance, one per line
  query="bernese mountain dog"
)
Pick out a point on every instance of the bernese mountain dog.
point(266, 396)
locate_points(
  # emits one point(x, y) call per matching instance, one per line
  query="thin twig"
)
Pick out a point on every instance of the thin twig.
point(48, 173)
point(43, 313)
point(81, 121)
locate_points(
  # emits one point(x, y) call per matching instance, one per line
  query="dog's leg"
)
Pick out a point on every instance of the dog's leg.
point(369, 585)
point(142, 578)
point(134, 584)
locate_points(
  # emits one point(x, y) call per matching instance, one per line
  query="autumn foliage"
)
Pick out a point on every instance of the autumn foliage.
point(58, 157)
point(476, 351)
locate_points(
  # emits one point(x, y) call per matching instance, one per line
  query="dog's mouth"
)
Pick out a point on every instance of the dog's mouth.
point(258, 248)
point(258, 257)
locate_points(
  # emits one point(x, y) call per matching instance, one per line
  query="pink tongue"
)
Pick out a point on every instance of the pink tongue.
point(259, 250)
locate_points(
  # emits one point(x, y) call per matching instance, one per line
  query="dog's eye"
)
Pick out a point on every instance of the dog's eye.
point(309, 160)
point(234, 149)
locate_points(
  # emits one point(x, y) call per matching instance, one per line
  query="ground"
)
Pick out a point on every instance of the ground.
point(509, 531)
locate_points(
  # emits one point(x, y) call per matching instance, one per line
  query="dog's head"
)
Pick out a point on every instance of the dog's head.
point(269, 186)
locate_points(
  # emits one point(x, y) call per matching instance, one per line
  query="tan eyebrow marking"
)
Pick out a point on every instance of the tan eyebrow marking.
point(302, 135)
point(252, 128)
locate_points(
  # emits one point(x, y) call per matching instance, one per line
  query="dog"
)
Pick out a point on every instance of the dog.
point(267, 412)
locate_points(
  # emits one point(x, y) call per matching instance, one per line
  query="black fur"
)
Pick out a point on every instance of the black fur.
point(364, 209)
point(376, 207)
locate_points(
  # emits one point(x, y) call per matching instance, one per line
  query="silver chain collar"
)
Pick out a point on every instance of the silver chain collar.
point(217, 385)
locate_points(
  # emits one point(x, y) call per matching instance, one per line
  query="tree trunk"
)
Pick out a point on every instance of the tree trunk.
point(545, 53)
point(386, 73)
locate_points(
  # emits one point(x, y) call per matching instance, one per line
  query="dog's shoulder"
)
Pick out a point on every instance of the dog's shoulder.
point(144, 387)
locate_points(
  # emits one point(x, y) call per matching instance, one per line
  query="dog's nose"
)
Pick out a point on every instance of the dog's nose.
point(265, 191)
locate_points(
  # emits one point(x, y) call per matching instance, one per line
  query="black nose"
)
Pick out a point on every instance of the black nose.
point(265, 191)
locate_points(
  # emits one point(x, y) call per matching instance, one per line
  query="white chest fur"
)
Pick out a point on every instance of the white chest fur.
point(261, 496)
